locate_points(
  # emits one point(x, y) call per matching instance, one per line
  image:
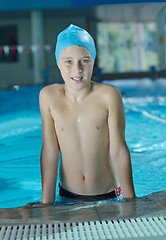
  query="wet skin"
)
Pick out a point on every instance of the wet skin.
point(85, 121)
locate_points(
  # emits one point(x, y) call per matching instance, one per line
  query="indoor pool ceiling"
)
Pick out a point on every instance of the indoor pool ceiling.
point(115, 12)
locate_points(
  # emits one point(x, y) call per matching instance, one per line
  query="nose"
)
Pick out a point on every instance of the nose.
point(77, 68)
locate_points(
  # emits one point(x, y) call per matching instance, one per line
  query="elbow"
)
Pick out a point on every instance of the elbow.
point(121, 152)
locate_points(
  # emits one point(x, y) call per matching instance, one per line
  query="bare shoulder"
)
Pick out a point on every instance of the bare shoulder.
point(51, 89)
point(49, 92)
point(109, 92)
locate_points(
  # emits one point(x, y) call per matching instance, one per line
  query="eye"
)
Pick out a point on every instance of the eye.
point(68, 62)
point(85, 61)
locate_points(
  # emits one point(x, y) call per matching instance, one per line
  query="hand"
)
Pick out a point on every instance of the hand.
point(37, 205)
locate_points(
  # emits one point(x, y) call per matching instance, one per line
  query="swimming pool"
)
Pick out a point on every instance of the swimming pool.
point(21, 138)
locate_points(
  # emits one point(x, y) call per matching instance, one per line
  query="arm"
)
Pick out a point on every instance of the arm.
point(118, 148)
point(49, 152)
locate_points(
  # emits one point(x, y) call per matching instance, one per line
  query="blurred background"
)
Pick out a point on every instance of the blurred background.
point(130, 38)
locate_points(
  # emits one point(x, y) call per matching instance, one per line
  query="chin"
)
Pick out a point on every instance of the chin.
point(78, 85)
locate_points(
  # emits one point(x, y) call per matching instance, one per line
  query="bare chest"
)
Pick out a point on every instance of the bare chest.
point(79, 117)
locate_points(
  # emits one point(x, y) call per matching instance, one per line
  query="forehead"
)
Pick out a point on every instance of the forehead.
point(75, 51)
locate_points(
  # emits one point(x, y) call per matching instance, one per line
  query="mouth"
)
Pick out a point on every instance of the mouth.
point(77, 79)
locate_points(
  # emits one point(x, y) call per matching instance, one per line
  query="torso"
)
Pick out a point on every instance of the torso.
point(83, 137)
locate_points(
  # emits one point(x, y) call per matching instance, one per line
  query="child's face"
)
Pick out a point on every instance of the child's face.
point(76, 66)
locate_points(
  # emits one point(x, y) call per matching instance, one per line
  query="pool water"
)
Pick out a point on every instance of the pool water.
point(21, 139)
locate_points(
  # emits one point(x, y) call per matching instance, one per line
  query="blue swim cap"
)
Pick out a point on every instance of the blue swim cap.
point(74, 35)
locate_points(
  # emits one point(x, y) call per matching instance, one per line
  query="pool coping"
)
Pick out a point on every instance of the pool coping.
point(153, 205)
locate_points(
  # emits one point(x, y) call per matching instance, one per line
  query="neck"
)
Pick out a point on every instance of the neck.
point(76, 95)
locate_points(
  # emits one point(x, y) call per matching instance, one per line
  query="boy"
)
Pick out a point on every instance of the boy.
point(85, 121)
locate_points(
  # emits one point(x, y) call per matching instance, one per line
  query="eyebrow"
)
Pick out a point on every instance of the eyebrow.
point(86, 57)
point(72, 57)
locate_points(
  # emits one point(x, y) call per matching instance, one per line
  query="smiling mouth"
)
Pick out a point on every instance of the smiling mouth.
point(77, 79)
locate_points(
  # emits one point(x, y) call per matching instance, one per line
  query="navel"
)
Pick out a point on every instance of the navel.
point(62, 129)
point(83, 177)
point(97, 127)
